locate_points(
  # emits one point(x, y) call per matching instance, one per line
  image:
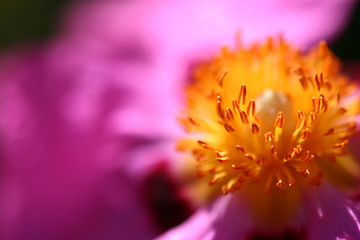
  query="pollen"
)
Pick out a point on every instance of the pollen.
point(270, 115)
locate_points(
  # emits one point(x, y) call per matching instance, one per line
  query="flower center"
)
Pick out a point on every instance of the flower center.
point(269, 103)
point(269, 115)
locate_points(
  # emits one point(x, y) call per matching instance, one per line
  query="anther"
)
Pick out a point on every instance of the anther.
point(216, 178)
point(242, 94)
point(273, 149)
point(239, 148)
point(306, 134)
point(249, 156)
point(222, 75)
point(244, 117)
point(229, 114)
point(251, 108)
point(235, 105)
point(222, 159)
point(204, 145)
point(268, 136)
point(237, 167)
point(303, 82)
point(279, 184)
point(260, 161)
point(342, 144)
point(220, 154)
point(229, 128)
point(219, 109)
point(279, 122)
point(255, 128)
point(315, 104)
point(300, 123)
point(312, 117)
point(192, 121)
point(318, 82)
point(329, 132)
point(322, 103)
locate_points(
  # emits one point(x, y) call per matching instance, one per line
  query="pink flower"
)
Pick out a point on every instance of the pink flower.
point(85, 117)
point(167, 34)
point(325, 213)
point(61, 156)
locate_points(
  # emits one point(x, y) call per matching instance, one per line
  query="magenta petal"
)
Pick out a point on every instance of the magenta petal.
point(168, 37)
point(227, 218)
point(182, 26)
point(331, 215)
point(60, 154)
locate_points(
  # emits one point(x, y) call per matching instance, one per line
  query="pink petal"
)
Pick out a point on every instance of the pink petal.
point(169, 37)
point(329, 214)
point(185, 26)
point(227, 218)
point(60, 155)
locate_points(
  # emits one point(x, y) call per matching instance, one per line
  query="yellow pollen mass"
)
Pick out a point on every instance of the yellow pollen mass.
point(272, 116)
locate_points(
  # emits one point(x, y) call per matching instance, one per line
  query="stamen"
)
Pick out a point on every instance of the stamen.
point(273, 149)
point(268, 137)
point(231, 149)
point(242, 94)
point(192, 121)
point(251, 108)
point(280, 183)
point(341, 145)
point(222, 159)
point(300, 123)
point(220, 154)
point(217, 177)
point(315, 104)
point(255, 128)
point(317, 82)
point(303, 82)
point(219, 109)
point(250, 156)
point(260, 161)
point(329, 132)
point(244, 117)
point(229, 128)
point(305, 135)
point(279, 123)
point(322, 104)
point(312, 118)
point(204, 145)
point(236, 106)
point(239, 148)
point(229, 114)
point(221, 78)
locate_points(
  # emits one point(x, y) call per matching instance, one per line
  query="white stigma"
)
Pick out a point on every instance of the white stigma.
point(268, 104)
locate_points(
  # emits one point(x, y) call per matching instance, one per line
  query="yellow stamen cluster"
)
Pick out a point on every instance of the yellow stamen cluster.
point(269, 114)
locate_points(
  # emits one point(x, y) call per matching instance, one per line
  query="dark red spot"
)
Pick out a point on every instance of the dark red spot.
point(168, 205)
point(289, 234)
